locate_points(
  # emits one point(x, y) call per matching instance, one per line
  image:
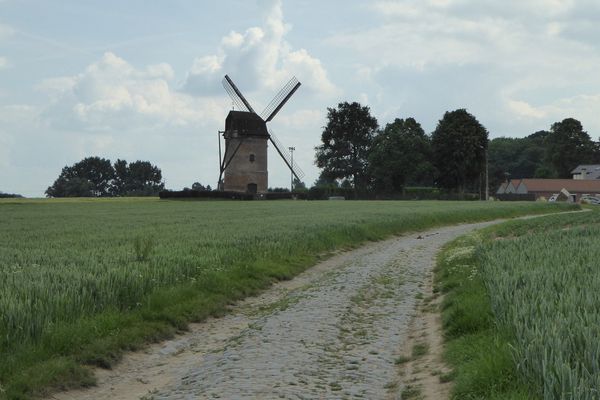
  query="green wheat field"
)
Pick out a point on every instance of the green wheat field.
point(81, 281)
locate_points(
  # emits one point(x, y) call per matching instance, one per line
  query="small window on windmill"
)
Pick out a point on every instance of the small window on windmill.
point(252, 158)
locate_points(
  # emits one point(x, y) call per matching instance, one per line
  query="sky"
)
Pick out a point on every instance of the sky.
point(141, 80)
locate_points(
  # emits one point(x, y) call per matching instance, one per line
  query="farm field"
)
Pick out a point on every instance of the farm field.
point(522, 309)
point(83, 280)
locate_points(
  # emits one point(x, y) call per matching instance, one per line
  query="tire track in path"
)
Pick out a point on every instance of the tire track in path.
point(333, 332)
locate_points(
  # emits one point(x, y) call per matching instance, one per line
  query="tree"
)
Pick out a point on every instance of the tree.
point(567, 146)
point(119, 185)
point(399, 156)
point(346, 184)
point(534, 154)
point(347, 139)
point(70, 187)
point(325, 180)
point(140, 178)
point(459, 145)
point(10, 196)
point(90, 177)
point(143, 179)
point(299, 186)
point(200, 187)
point(96, 177)
point(516, 158)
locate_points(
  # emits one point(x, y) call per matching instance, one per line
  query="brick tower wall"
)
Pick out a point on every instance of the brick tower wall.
point(242, 171)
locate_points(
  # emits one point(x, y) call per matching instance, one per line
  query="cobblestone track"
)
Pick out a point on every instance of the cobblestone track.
point(332, 332)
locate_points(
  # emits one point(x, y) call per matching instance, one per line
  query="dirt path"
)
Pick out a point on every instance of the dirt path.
point(334, 331)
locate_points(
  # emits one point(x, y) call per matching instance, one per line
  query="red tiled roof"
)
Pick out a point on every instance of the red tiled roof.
point(555, 185)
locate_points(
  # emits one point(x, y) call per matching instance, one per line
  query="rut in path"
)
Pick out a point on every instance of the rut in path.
point(332, 332)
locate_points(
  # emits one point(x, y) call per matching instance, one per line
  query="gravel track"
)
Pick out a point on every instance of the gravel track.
point(332, 332)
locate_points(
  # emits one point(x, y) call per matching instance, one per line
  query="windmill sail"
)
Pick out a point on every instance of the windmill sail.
point(236, 96)
point(280, 99)
point(285, 155)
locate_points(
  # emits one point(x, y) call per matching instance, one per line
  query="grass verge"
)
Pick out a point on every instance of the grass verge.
point(476, 350)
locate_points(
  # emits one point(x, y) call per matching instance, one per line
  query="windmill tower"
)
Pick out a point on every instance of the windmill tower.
point(243, 165)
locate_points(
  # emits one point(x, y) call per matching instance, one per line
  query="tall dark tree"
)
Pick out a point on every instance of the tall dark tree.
point(401, 155)
point(459, 145)
point(535, 152)
point(119, 185)
point(567, 146)
point(502, 153)
point(347, 139)
point(141, 179)
point(517, 158)
point(90, 177)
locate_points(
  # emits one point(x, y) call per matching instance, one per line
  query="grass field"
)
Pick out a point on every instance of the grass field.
point(83, 280)
point(523, 309)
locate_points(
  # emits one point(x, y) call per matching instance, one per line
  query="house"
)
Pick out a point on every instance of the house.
point(586, 171)
point(510, 191)
point(545, 188)
point(586, 181)
point(512, 186)
point(502, 188)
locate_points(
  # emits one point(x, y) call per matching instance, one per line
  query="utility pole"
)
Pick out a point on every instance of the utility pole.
point(291, 149)
point(220, 183)
point(487, 182)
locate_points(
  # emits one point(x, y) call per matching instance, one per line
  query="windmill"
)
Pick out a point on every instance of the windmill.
point(243, 165)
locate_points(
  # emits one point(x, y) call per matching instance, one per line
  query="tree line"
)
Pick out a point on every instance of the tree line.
point(356, 153)
point(10, 195)
point(98, 177)
point(552, 153)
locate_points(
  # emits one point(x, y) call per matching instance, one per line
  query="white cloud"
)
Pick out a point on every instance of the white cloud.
point(417, 33)
point(524, 109)
point(112, 94)
point(302, 119)
point(57, 86)
point(363, 98)
point(6, 31)
point(551, 8)
point(259, 58)
point(529, 9)
point(583, 107)
point(526, 59)
point(395, 9)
